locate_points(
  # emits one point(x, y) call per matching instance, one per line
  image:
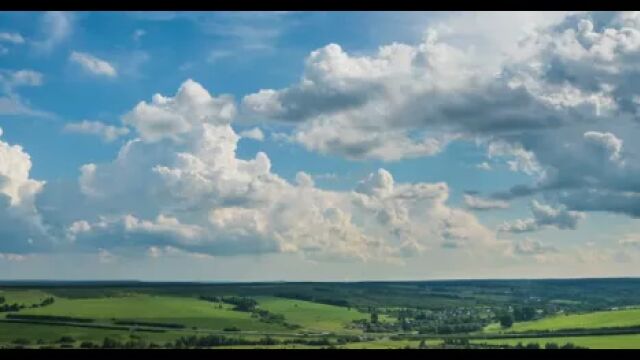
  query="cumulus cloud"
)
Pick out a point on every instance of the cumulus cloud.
point(93, 64)
point(167, 117)
point(186, 189)
point(478, 203)
point(108, 133)
point(21, 228)
point(536, 105)
point(254, 133)
point(544, 215)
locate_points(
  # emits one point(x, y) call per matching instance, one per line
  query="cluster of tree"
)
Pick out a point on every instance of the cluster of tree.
point(17, 307)
point(450, 328)
point(193, 341)
point(210, 298)
point(109, 343)
point(268, 317)
point(66, 340)
point(47, 301)
point(506, 319)
point(240, 303)
point(456, 341)
point(548, 346)
point(150, 324)
point(11, 307)
point(524, 313)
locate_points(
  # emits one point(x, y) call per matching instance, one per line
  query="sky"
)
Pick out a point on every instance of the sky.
point(323, 146)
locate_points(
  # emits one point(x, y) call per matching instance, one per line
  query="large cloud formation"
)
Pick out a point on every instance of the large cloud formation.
point(560, 105)
point(557, 106)
point(180, 184)
point(21, 228)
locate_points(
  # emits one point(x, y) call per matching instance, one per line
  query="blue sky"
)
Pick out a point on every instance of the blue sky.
point(349, 145)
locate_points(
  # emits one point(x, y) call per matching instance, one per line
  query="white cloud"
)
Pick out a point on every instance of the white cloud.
point(484, 166)
point(608, 141)
point(14, 38)
point(544, 215)
point(108, 133)
point(14, 106)
point(524, 161)
point(12, 79)
point(478, 203)
point(93, 64)
point(254, 133)
point(194, 194)
point(20, 222)
point(550, 80)
point(56, 27)
point(170, 117)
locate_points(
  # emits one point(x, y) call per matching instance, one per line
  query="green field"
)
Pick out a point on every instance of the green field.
point(600, 319)
point(27, 297)
point(312, 316)
point(592, 342)
point(165, 309)
point(50, 334)
point(446, 313)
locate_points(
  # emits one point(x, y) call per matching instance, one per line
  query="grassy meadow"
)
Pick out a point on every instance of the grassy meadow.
point(445, 314)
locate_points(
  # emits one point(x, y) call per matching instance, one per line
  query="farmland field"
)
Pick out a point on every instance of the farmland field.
point(182, 310)
point(312, 315)
point(600, 319)
point(592, 342)
point(442, 314)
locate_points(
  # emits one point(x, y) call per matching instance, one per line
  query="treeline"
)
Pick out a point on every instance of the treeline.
point(533, 346)
point(240, 303)
point(54, 318)
point(151, 324)
point(217, 340)
point(445, 329)
point(326, 301)
point(17, 307)
point(11, 307)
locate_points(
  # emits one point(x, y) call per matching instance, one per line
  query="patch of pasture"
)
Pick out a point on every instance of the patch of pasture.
point(311, 315)
point(592, 342)
point(190, 312)
point(593, 320)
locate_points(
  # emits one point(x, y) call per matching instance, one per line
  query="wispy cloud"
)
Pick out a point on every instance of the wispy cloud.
point(56, 26)
point(93, 64)
point(14, 38)
point(107, 133)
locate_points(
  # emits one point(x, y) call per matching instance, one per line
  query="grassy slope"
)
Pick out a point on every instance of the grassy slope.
point(33, 332)
point(310, 315)
point(166, 309)
point(600, 319)
point(26, 297)
point(593, 342)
